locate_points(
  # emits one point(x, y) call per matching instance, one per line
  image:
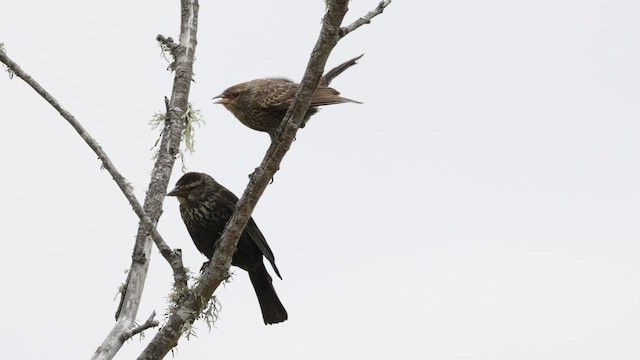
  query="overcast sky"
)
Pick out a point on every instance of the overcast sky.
point(482, 203)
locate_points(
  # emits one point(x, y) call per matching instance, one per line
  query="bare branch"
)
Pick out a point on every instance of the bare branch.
point(165, 160)
point(122, 183)
point(93, 144)
point(365, 19)
point(146, 325)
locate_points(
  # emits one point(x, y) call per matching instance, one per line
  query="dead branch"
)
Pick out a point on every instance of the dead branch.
point(365, 19)
point(169, 148)
point(146, 325)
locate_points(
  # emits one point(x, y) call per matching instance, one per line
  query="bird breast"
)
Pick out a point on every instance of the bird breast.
point(196, 213)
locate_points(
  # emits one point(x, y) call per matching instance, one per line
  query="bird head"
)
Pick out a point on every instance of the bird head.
point(190, 187)
point(232, 95)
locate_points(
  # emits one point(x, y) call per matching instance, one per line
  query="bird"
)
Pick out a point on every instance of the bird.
point(261, 104)
point(205, 207)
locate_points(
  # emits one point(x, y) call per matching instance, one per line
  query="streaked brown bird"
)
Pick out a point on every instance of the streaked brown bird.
point(205, 207)
point(262, 103)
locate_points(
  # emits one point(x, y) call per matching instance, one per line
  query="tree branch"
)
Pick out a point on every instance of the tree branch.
point(146, 325)
point(365, 19)
point(169, 147)
point(146, 223)
point(123, 184)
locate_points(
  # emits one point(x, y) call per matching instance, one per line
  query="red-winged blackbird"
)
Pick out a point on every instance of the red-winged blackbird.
point(261, 104)
point(206, 206)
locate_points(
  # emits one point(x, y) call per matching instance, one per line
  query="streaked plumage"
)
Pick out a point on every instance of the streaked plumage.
point(205, 207)
point(262, 103)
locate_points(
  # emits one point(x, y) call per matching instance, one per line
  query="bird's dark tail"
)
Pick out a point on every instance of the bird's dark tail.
point(272, 310)
point(326, 79)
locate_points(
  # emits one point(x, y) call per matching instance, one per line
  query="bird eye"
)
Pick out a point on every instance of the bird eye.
point(235, 94)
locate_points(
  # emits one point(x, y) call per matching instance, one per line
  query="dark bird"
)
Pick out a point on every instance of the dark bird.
point(206, 206)
point(262, 103)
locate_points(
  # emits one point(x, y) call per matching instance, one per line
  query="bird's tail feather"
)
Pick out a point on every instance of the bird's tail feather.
point(326, 79)
point(328, 96)
point(272, 309)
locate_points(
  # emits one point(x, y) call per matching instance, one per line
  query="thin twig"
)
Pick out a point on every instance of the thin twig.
point(120, 180)
point(93, 144)
point(146, 325)
point(365, 19)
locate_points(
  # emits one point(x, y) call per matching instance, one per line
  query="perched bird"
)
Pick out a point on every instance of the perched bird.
point(206, 206)
point(262, 103)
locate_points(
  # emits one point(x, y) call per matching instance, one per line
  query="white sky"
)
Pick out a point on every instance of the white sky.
point(483, 203)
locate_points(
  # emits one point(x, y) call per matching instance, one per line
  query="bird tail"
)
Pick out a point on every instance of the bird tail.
point(326, 79)
point(272, 309)
point(328, 96)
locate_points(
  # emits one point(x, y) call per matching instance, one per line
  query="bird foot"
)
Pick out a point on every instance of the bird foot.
point(256, 169)
point(204, 266)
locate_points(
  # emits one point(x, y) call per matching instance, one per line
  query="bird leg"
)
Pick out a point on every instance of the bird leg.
point(204, 266)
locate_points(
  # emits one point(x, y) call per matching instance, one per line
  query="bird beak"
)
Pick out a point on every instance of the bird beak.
point(223, 99)
point(176, 192)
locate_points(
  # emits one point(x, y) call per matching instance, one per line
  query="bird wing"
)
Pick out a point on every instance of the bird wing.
point(281, 96)
point(253, 231)
point(277, 94)
point(256, 235)
point(280, 79)
point(274, 93)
